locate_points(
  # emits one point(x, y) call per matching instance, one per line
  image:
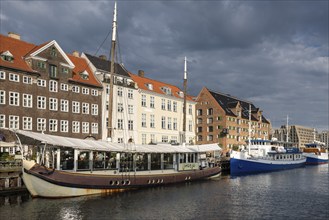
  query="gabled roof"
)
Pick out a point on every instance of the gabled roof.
point(105, 65)
point(158, 86)
point(81, 65)
point(227, 101)
point(18, 49)
point(43, 47)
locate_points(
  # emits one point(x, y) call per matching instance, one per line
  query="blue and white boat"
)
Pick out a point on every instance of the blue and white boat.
point(265, 156)
point(315, 153)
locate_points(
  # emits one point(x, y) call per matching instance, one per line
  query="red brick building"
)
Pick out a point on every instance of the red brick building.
point(223, 119)
point(43, 89)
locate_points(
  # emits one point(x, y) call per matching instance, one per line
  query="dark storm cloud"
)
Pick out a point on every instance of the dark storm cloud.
point(274, 53)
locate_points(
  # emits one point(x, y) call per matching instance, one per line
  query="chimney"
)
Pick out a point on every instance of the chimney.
point(141, 73)
point(14, 35)
point(103, 57)
point(75, 53)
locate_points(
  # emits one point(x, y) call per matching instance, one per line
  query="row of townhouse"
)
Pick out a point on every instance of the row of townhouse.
point(44, 89)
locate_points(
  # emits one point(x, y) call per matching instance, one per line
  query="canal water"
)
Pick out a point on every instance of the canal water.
point(292, 194)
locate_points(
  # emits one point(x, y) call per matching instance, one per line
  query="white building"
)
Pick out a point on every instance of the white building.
point(160, 112)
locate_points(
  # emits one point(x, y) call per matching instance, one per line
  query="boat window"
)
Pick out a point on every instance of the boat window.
point(67, 159)
point(168, 161)
point(83, 160)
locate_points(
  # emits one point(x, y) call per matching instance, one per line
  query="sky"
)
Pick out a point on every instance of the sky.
point(272, 53)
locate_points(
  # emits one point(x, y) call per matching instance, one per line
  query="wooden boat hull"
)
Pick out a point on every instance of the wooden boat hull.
point(42, 182)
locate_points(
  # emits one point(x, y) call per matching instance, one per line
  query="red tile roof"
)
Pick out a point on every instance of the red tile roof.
point(19, 49)
point(80, 66)
point(157, 85)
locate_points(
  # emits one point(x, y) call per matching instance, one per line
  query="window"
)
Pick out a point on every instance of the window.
point(210, 120)
point(163, 122)
point(27, 80)
point(2, 97)
point(53, 52)
point(65, 70)
point(2, 75)
point(190, 125)
point(53, 86)
point(130, 125)
point(143, 138)
point(190, 109)
point(94, 128)
point(210, 128)
point(53, 123)
point(85, 127)
point(199, 112)
point(53, 104)
point(210, 138)
point(2, 121)
point(14, 98)
point(144, 100)
point(175, 124)
point(169, 105)
point(152, 138)
point(41, 65)
point(85, 91)
point(41, 124)
point(120, 140)
point(144, 120)
point(75, 127)
point(152, 121)
point(175, 106)
point(120, 124)
point(209, 111)
point(27, 123)
point(76, 107)
point(13, 77)
point(76, 89)
point(199, 121)
point(53, 71)
point(199, 137)
point(94, 92)
point(163, 104)
point(120, 107)
point(64, 105)
point(199, 129)
point(42, 83)
point(27, 101)
point(13, 122)
point(120, 91)
point(64, 87)
point(130, 94)
point(94, 109)
point(130, 109)
point(85, 108)
point(64, 126)
point(164, 139)
point(152, 102)
point(169, 123)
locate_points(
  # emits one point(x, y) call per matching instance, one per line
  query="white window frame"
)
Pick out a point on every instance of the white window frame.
point(53, 104)
point(143, 103)
point(41, 124)
point(53, 125)
point(85, 108)
point(2, 75)
point(2, 121)
point(130, 94)
point(14, 98)
point(76, 89)
point(27, 80)
point(143, 120)
point(53, 86)
point(64, 87)
point(64, 126)
point(13, 77)
point(94, 109)
point(120, 91)
point(65, 105)
point(13, 122)
point(152, 121)
point(130, 125)
point(152, 102)
point(163, 104)
point(75, 107)
point(85, 91)
point(94, 92)
point(42, 83)
point(27, 100)
point(2, 97)
point(75, 127)
point(120, 124)
point(27, 123)
point(41, 102)
point(94, 128)
point(85, 127)
point(130, 109)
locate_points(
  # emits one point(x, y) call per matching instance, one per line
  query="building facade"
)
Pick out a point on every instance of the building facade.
point(224, 119)
point(124, 120)
point(160, 112)
point(301, 135)
point(324, 137)
point(43, 89)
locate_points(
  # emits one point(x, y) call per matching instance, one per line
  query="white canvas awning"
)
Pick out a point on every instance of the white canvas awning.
point(34, 138)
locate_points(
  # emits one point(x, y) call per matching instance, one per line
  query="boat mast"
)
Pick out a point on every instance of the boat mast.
point(249, 129)
point(113, 44)
point(287, 137)
point(184, 105)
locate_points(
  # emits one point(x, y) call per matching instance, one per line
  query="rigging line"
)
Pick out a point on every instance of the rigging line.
point(119, 48)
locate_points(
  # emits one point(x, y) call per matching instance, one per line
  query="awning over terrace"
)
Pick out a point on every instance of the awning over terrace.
point(34, 138)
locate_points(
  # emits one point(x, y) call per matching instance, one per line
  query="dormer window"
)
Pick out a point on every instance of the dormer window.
point(149, 86)
point(7, 56)
point(84, 75)
point(166, 90)
point(181, 94)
